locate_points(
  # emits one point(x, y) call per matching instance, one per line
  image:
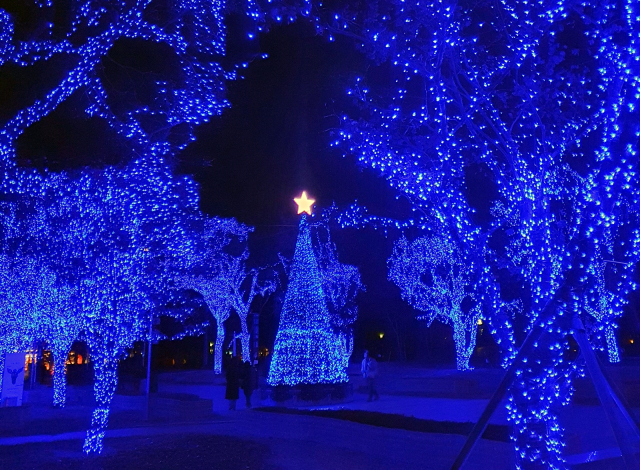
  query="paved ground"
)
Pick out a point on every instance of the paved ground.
point(201, 431)
point(293, 442)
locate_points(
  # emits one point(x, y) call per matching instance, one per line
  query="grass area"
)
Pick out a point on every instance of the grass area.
point(156, 452)
point(494, 432)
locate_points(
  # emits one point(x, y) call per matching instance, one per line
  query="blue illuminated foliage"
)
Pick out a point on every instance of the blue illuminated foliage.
point(191, 36)
point(543, 95)
point(112, 242)
point(245, 286)
point(111, 238)
point(306, 349)
point(445, 284)
point(341, 285)
point(42, 307)
point(216, 274)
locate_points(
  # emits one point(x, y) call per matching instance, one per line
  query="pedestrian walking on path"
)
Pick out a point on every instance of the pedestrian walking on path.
point(369, 371)
point(249, 381)
point(233, 382)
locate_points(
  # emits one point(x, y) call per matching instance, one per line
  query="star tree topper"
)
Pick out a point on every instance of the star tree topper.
point(304, 204)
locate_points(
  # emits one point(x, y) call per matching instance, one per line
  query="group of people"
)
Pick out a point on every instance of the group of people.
point(240, 375)
point(244, 375)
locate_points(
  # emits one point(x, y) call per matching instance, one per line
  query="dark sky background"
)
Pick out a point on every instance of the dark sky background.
point(274, 143)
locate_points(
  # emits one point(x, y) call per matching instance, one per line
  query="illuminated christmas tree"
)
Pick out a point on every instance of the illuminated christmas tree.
point(306, 350)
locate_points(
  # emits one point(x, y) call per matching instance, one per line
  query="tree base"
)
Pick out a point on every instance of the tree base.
point(306, 394)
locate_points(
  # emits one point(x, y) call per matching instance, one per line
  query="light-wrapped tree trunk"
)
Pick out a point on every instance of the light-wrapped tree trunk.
point(217, 358)
point(105, 383)
point(60, 377)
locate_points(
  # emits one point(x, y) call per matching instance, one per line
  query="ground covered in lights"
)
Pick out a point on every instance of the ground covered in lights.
point(420, 421)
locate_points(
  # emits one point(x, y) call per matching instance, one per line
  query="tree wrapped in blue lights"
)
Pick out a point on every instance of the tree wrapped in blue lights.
point(18, 327)
point(183, 45)
point(44, 307)
point(58, 318)
point(341, 284)
point(434, 278)
point(245, 286)
point(126, 225)
point(306, 349)
point(112, 237)
point(134, 227)
point(541, 99)
point(191, 35)
point(210, 269)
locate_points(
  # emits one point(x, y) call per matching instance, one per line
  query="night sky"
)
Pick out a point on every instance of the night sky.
point(274, 142)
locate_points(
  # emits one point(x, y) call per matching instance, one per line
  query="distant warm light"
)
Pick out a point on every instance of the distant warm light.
point(304, 204)
point(381, 335)
point(479, 321)
point(631, 341)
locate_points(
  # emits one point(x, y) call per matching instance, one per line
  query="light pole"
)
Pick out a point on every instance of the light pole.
point(146, 408)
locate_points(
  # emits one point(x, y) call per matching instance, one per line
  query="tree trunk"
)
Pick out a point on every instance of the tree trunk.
point(105, 383)
point(245, 339)
point(612, 344)
point(60, 377)
point(217, 358)
point(347, 344)
point(463, 350)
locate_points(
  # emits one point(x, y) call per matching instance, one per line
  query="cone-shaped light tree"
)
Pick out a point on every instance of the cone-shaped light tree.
point(306, 349)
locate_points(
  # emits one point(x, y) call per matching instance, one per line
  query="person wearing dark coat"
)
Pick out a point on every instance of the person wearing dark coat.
point(249, 381)
point(233, 383)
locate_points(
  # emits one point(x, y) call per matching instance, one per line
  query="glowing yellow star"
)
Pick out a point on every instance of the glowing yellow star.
point(304, 204)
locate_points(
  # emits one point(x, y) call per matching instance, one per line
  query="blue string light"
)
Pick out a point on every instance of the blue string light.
point(341, 284)
point(215, 274)
point(543, 96)
point(115, 235)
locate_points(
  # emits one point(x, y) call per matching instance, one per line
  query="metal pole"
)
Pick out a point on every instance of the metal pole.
point(205, 355)
point(622, 425)
point(256, 336)
point(234, 344)
point(34, 362)
point(146, 413)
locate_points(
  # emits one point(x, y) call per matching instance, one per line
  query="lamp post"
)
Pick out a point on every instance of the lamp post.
point(146, 408)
